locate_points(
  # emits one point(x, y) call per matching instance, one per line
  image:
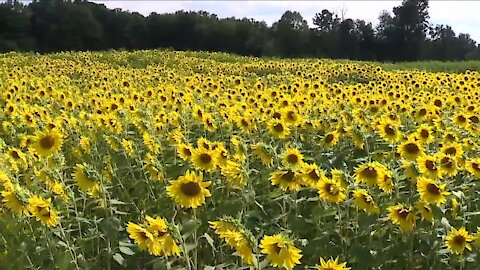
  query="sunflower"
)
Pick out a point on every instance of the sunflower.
point(86, 183)
point(448, 165)
point(280, 251)
point(386, 183)
point(160, 230)
point(332, 191)
point(330, 139)
point(205, 159)
point(42, 209)
point(236, 236)
point(389, 130)
point(312, 175)
point(264, 153)
point(292, 158)
point(425, 210)
point(370, 173)
point(411, 171)
point(332, 264)
point(278, 128)
point(452, 149)
point(143, 238)
point(15, 198)
point(473, 167)
point(287, 179)
point(402, 215)
point(424, 134)
point(189, 190)
point(458, 240)
point(184, 151)
point(410, 149)
point(48, 142)
point(431, 191)
point(427, 165)
point(235, 174)
point(365, 201)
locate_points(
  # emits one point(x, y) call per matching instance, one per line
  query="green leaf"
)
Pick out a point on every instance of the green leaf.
point(190, 226)
point(126, 250)
point(119, 259)
point(210, 240)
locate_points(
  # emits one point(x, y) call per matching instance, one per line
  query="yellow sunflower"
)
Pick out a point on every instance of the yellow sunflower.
point(287, 179)
point(410, 149)
point(189, 190)
point(280, 251)
point(85, 183)
point(431, 191)
point(370, 173)
point(312, 175)
point(184, 151)
point(425, 210)
point(331, 191)
point(427, 165)
point(278, 128)
point(292, 158)
point(458, 240)
point(402, 215)
point(42, 209)
point(205, 159)
point(332, 264)
point(365, 201)
point(48, 142)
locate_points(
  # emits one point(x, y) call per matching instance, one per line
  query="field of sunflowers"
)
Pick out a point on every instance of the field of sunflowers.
point(183, 160)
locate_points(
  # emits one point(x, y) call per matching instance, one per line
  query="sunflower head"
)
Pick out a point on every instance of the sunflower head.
point(189, 190)
point(47, 143)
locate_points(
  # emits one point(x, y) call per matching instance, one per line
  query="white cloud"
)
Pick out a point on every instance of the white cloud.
point(461, 15)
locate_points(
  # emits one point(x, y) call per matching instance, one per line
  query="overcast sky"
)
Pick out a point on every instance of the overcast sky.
point(461, 15)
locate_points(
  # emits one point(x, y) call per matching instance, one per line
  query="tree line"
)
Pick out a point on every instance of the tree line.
point(404, 34)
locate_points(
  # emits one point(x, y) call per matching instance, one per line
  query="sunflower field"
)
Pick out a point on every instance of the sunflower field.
point(195, 160)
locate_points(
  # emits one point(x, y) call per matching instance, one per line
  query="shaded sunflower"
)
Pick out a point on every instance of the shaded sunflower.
point(85, 183)
point(42, 209)
point(473, 167)
point(264, 153)
point(312, 175)
point(189, 190)
point(425, 210)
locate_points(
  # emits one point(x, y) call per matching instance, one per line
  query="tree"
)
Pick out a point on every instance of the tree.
point(291, 34)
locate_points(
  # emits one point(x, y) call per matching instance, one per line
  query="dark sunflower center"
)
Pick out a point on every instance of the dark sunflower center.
point(288, 176)
point(430, 165)
point(205, 158)
point(459, 240)
point(331, 189)
point(313, 175)
point(461, 119)
point(412, 148)
point(424, 133)
point(15, 155)
point(447, 162)
point(244, 123)
point(278, 128)
point(403, 213)
point(476, 166)
point(423, 112)
point(292, 159)
point(433, 189)
point(47, 142)
point(187, 152)
point(291, 116)
point(329, 138)
point(370, 173)
point(389, 130)
point(190, 189)
point(277, 115)
point(474, 119)
point(451, 151)
point(277, 248)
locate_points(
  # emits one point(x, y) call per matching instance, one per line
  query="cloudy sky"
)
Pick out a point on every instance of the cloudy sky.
point(461, 15)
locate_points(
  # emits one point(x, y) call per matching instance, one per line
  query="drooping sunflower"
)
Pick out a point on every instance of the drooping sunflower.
point(15, 198)
point(332, 264)
point(235, 174)
point(205, 159)
point(425, 210)
point(370, 173)
point(85, 183)
point(160, 230)
point(189, 190)
point(287, 179)
point(143, 238)
point(458, 240)
point(331, 191)
point(402, 215)
point(42, 209)
point(386, 183)
point(431, 191)
point(264, 153)
point(410, 149)
point(48, 142)
point(280, 251)
point(365, 201)
point(292, 158)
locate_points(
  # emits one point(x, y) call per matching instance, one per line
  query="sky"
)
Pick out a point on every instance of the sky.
point(462, 16)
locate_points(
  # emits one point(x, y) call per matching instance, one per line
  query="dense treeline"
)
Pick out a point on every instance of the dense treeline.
point(402, 35)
